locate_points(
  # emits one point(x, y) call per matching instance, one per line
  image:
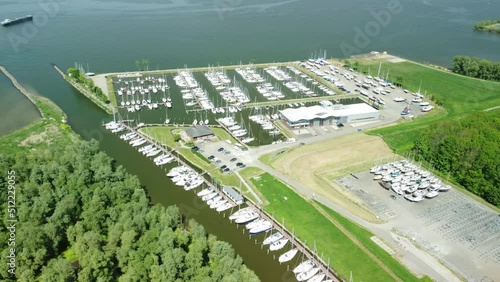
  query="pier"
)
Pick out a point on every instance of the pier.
point(304, 100)
point(277, 226)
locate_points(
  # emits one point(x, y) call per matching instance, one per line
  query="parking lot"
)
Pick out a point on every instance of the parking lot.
point(447, 226)
point(222, 155)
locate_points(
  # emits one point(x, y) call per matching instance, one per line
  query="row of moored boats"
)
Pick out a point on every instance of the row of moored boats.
point(305, 271)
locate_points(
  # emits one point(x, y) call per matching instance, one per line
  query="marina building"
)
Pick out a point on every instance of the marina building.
point(197, 132)
point(327, 113)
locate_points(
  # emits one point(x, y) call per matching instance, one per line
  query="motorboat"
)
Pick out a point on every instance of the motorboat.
point(278, 245)
point(247, 218)
point(427, 108)
point(254, 223)
point(214, 200)
point(272, 238)
point(432, 194)
point(288, 256)
point(224, 207)
point(209, 196)
point(240, 212)
point(205, 192)
point(399, 99)
point(262, 227)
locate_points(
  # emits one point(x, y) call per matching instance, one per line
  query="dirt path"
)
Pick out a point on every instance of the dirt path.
point(356, 242)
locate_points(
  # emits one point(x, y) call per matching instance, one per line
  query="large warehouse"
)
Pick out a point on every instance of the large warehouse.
point(327, 113)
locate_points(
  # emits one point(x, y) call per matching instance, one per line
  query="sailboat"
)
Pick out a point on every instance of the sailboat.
point(167, 120)
point(206, 120)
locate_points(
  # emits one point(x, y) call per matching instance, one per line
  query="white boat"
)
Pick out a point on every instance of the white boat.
point(216, 204)
point(423, 104)
point(163, 161)
point(278, 245)
point(138, 142)
point(214, 200)
point(399, 99)
point(317, 278)
point(262, 227)
point(153, 153)
point(427, 108)
point(254, 223)
point(444, 188)
point(240, 212)
point(308, 274)
point(247, 218)
point(304, 266)
point(205, 192)
point(288, 256)
point(272, 238)
point(224, 207)
point(209, 196)
point(432, 194)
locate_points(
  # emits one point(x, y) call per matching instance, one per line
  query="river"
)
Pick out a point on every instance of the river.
point(111, 35)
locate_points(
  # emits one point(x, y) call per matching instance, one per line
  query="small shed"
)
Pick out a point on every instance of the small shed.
point(233, 195)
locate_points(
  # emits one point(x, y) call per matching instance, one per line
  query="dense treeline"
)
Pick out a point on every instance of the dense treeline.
point(476, 67)
point(468, 150)
point(80, 218)
point(488, 25)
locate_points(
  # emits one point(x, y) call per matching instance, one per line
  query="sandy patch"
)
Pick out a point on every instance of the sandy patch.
point(316, 165)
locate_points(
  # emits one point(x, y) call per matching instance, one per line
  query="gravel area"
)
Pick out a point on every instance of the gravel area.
point(448, 226)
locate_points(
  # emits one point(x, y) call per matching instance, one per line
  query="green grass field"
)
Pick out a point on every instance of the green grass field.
point(311, 226)
point(458, 95)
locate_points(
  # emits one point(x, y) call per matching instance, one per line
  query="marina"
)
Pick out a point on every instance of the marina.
point(255, 219)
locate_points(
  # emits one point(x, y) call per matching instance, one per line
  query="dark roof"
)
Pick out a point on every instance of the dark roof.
point(199, 131)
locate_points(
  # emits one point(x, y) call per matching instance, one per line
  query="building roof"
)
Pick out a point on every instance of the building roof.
point(235, 196)
point(197, 131)
point(315, 112)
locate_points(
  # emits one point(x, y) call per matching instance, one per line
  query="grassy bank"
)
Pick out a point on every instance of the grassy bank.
point(488, 25)
point(312, 226)
point(458, 95)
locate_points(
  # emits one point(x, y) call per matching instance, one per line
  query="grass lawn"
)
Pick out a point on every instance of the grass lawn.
point(458, 95)
point(311, 226)
point(164, 135)
point(364, 236)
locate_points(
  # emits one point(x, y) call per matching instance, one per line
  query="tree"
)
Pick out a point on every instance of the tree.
point(138, 65)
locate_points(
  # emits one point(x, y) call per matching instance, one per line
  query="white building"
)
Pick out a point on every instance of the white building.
point(327, 113)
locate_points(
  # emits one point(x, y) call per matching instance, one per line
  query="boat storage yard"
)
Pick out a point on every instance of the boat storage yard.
point(447, 224)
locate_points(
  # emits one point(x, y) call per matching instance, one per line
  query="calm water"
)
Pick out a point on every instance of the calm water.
point(12, 102)
point(112, 35)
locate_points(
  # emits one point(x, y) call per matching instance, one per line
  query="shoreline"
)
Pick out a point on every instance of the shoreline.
point(100, 104)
